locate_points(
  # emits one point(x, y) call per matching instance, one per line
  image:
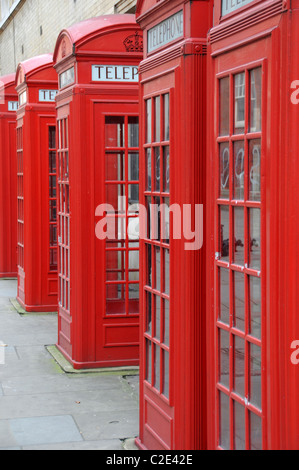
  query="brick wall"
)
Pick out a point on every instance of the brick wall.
point(33, 28)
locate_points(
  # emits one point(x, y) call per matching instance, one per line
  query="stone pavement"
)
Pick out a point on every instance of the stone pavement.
point(44, 408)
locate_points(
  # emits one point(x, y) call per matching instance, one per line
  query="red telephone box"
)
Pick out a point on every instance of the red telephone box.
point(98, 164)
point(172, 276)
point(252, 227)
point(36, 84)
point(8, 166)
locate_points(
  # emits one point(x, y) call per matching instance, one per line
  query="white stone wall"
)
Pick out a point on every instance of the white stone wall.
point(32, 29)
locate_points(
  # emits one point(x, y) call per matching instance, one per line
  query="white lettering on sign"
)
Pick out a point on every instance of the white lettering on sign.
point(114, 73)
point(47, 95)
point(23, 98)
point(67, 78)
point(165, 32)
point(13, 105)
point(228, 6)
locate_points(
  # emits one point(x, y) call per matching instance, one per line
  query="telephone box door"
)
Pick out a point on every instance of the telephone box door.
point(117, 231)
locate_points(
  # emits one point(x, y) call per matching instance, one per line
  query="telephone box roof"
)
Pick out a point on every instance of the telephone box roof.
point(29, 67)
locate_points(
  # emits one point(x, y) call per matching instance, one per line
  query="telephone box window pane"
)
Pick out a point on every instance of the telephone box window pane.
point(255, 307)
point(239, 291)
point(148, 300)
point(255, 239)
point(224, 413)
point(157, 168)
point(115, 197)
point(224, 338)
point(158, 317)
point(239, 170)
point(133, 166)
point(52, 137)
point(239, 424)
point(52, 168)
point(149, 265)
point(157, 367)
point(134, 295)
point(158, 268)
point(255, 376)
point(166, 374)
point(224, 170)
point(52, 184)
point(157, 119)
point(224, 106)
point(115, 167)
point(167, 271)
point(224, 295)
point(148, 361)
point(148, 168)
point(149, 121)
point(255, 170)
point(133, 129)
point(165, 210)
point(224, 232)
point(166, 169)
point(115, 131)
point(53, 211)
point(166, 322)
point(256, 100)
point(133, 198)
point(240, 103)
point(239, 366)
point(255, 432)
point(239, 236)
point(115, 266)
point(166, 117)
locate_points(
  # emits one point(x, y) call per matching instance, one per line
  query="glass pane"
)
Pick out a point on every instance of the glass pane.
point(224, 296)
point(115, 292)
point(148, 300)
point(52, 186)
point(224, 411)
point(52, 162)
point(239, 236)
point(224, 232)
point(255, 432)
point(115, 131)
point(116, 197)
point(166, 117)
point(239, 423)
point(166, 322)
point(133, 166)
point(224, 171)
point(165, 210)
point(224, 337)
point(239, 155)
point(157, 168)
point(133, 295)
point(256, 100)
point(158, 268)
point(166, 169)
point(148, 121)
point(255, 170)
point(115, 265)
point(224, 106)
point(115, 167)
point(149, 265)
point(166, 272)
point(255, 376)
point(240, 103)
point(157, 367)
point(158, 318)
point(148, 375)
point(255, 239)
point(148, 169)
point(239, 295)
point(133, 200)
point(157, 119)
point(133, 130)
point(255, 307)
point(52, 137)
point(239, 366)
point(166, 374)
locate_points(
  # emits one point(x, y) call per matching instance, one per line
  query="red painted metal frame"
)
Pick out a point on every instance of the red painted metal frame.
point(262, 34)
point(88, 337)
point(8, 166)
point(37, 283)
point(179, 69)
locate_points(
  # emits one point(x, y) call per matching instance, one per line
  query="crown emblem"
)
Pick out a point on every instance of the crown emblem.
point(134, 43)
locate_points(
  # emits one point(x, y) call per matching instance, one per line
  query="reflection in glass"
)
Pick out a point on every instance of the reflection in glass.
point(239, 366)
point(239, 423)
point(224, 170)
point(255, 239)
point(166, 169)
point(255, 170)
point(239, 155)
point(167, 271)
point(148, 297)
point(115, 166)
point(158, 268)
point(148, 169)
point(224, 358)
point(224, 414)
point(224, 295)
point(239, 236)
point(148, 374)
point(148, 121)
point(256, 100)
point(255, 376)
point(157, 168)
point(224, 106)
point(224, 232)
point(115, 131)
point(239, 294)
point(158, 317)
point(255, 307)
point(166, 117)
point(157, 119)
point(239, 103)
point(255, 432)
